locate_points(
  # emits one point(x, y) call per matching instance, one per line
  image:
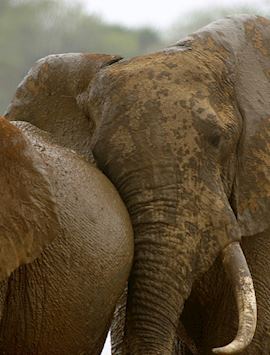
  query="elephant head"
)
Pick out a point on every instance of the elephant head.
point(184, 135)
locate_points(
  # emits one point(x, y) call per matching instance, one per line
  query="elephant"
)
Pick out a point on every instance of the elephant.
point(66, 246)
point(184, 136)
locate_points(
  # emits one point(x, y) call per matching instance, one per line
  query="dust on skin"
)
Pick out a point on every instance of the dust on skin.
point(172, 104)
point(255, 35)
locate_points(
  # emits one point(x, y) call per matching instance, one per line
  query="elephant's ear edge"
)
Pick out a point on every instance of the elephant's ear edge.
point(252, 92)
point(28, 216)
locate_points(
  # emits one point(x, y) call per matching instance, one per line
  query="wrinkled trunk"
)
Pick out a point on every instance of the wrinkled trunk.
point(180, 226)
point(170, 251)
point(167, 259)
point(166, 244)
point(159, 284)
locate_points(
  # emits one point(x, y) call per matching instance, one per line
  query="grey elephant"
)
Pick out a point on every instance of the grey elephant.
point(184, 135)
point(66, 246)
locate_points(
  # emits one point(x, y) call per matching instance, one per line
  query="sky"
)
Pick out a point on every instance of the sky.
point(155, 13)
point(159, 14)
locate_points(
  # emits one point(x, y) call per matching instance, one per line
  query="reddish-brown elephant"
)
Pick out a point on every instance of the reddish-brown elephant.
point(66, 247)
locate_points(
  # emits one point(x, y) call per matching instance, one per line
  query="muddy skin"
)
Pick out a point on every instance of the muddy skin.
point(66, 247)
point(52, 88)
point(184, 135)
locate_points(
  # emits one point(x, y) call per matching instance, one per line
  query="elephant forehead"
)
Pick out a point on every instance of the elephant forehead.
point(171, 91)
point(258, 33)
point(159, 70)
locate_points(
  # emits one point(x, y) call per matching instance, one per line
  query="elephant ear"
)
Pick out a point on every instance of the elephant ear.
point(47, 97)
point(28, 216)
point(253, 97)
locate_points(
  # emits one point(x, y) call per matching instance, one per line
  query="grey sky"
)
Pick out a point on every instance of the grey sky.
point(159, 14)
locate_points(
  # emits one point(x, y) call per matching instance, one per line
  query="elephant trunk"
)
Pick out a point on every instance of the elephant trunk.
point(167, 244)
point(236, 267)
point(167, 258)
point(159, 285)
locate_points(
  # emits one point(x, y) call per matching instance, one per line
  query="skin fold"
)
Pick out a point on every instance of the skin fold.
point(66, 248)
point(184, 136)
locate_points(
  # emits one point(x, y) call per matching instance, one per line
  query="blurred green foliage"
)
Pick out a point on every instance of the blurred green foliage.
point(198, 18)
point(31, 29)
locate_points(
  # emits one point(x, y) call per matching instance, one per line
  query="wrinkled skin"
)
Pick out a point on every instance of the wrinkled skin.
point(66, 248)
point(184, 135)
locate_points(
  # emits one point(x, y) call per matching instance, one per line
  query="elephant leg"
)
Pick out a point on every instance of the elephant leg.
point(3, 294)
point(257, 251)
point(185, 346)
point(182, 349)
point(118, 326)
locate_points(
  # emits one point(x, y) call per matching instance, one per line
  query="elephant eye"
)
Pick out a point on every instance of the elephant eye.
point(215, 139)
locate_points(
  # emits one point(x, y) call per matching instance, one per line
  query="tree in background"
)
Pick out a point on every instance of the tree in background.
point(31, 29)
point(198, 18)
